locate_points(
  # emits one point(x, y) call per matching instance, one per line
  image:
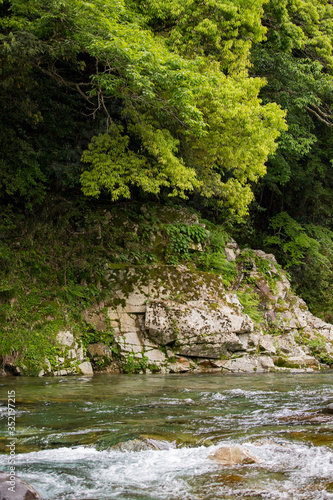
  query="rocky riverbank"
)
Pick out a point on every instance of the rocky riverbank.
point(218, 309)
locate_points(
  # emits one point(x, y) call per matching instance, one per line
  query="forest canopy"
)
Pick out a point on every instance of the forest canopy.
point(153, 95)
point(226, 104)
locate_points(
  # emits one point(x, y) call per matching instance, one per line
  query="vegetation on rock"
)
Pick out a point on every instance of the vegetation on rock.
point(74, 268)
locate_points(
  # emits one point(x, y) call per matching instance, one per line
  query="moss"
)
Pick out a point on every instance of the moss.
point(280, 309)
point(283, 362)
point(303, 307)
point(213, 306)
point(118, 265)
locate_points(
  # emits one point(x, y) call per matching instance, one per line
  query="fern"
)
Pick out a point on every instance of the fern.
point(251, 305)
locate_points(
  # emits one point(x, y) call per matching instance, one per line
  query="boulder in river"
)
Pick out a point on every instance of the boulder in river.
point(14, 488)
point(233, 455)
point(144, 444)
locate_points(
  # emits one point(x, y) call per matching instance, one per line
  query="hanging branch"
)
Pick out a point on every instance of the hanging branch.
point(321, 115)
point(61, 81)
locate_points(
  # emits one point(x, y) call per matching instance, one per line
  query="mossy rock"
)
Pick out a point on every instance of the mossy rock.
point(283, 362)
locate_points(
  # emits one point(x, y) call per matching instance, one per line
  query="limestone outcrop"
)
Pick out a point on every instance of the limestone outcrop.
point(203, 329)
point(231, 312)
point(71, 359)
point(176, 319)
point(169, 318)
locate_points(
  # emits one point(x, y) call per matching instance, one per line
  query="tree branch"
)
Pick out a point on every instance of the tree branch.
point(320, 115)
point(61, 81)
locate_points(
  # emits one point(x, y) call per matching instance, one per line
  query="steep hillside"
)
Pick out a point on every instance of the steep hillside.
point(146, 288)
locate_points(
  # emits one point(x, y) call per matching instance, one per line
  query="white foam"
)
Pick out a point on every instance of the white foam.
point(106, 474)
point(303, 462)
point(84, 472)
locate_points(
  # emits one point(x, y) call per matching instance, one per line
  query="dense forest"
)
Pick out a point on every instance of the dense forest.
point(224, 106)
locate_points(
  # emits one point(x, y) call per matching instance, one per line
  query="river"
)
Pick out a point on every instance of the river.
point(66, 427)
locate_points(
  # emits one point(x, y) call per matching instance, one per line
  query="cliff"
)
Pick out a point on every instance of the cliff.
point(176, 319)
point(173, 294)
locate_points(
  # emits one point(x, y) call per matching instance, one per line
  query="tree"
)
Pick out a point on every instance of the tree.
point(295, 198)
point(171, 103)
point(297, 62)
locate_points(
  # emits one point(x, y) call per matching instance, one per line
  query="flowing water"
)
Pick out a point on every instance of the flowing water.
point(66, 428)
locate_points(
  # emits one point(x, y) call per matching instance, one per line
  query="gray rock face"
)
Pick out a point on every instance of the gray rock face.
point(248, 364)
point(196, 328)
point(266, 345)
point(65, 338)
point(99, 351)
point(72, 361)
point(233, 455)
point(85, 368)
point(189, 313)
point(14, 488)
point(287, 345)
point(101, 358)
point(230, 254)
point(96, 319)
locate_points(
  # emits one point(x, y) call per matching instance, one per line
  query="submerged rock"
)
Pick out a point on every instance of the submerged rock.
point(328, 409)
point(233, 455)
point(144, 444)
point(14, 488)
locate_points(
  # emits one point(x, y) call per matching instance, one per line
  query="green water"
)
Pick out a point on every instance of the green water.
point(65, 430)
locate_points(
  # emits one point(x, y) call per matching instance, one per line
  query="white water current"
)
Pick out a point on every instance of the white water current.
point(66, 432)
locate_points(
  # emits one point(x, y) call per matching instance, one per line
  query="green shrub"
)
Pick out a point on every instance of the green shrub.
point(318, 349)
point(134, 365)
point(180, 238)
